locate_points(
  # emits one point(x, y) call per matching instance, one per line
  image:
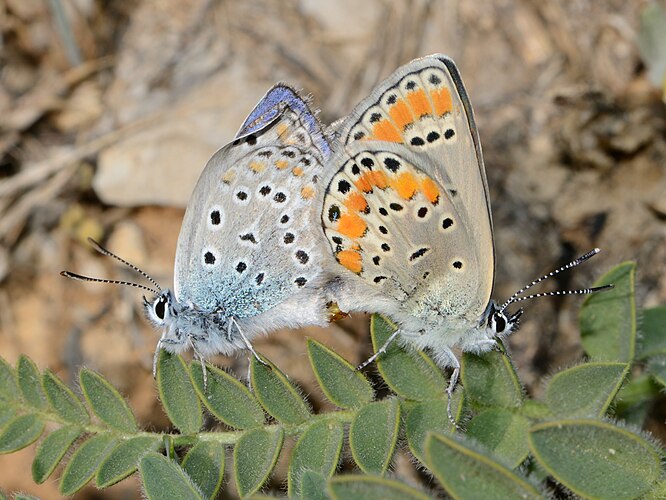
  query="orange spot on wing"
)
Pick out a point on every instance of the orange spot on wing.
point(356, 202)
point(352, 226)
point(281, 164)
point(297, 171)
point(442, 100)
point(385, 131)
point(419, 103)
point(370, 179)
point(282, 129)
point(307, 193)
point(400, 114)
point(257, 166)
point(351, 260)
point(430, 190)
point(405, 184)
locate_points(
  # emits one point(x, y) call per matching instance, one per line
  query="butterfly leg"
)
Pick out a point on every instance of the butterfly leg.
point(160, 345)
point(379, 352)
point(193, 339)
point(246, 341)
point(453, 382)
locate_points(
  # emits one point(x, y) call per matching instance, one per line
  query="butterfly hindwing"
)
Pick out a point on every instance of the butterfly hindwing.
point(248, 240)
point(413, 145)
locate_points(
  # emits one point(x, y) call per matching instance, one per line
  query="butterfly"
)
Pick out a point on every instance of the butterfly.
point(406, 212)
point(249, 253)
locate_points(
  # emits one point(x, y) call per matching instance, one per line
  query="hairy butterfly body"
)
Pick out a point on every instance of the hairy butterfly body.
point(406, 213)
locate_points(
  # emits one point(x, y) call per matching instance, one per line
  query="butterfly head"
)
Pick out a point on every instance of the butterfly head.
point(161, 310)
point(499, 323)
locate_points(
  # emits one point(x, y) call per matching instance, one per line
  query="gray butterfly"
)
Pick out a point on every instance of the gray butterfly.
point(250, 252)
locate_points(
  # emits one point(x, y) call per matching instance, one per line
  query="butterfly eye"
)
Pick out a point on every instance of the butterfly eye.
point(160, 307)
point(500, 323)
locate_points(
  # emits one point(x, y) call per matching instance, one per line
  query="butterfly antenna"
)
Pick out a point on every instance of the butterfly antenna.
point(80, 277)
point(515, 297)
point(108, 253)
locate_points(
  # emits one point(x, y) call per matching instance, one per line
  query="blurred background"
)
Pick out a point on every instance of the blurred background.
point(109, 111)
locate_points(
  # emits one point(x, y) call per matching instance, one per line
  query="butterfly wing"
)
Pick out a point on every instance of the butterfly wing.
point(248, 240)
point(407, 209)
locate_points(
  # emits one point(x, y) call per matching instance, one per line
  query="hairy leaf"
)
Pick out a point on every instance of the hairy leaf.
point(227, 398)
point(204, 464)
point(373, 435)
point(424, 417)
point(355, 487)
point(410, 374)
point(277, 394)
point(491, 380)
point(63, 401)
point(20, 432)
point(596, 459)
point(318, 450)
point(163, 478)
point(124, 458)
point(51, 450)
point(653, 333)
point(608, 319)
point(85, 461)
point(586, 390)
point(502, 432)
point(106, 403)
point(255, 455)
point(466, 472)
point(343, 385)
point(30, 383)
point(177, 393)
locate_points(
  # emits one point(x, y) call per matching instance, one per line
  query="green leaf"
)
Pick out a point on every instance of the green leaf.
point(608, 319)
point(373, 435)
point(163, 478)
point(658, 492)
point(424, 417)
point(51, 450)
point(276, 393)
point(124, 459)
point(63, 401)
point(21, 496)
point(467, 473)
point(204, 463)
point(8, 387)
point(491, 380)
point(502, 432)
point(343, 385)
point(653, 333)
point(227, 398)
point(596, 459)
point(6, 414)
point(412, 375)
point(85, 461)
point(313, 486)
point(656, 367)
point(355, 487)
point(20, 432)
point(30, 383)
point(106, 403)
point(255, 455)
point(586, 390)
point(177, 393)
point(318, 450)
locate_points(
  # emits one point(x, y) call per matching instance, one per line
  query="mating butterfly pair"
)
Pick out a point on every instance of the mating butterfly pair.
point(389, 213)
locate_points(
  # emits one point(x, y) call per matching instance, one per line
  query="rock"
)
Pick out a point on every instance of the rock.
point(161, 164)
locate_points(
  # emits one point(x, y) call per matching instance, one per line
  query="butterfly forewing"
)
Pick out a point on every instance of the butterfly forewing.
point(249, 239)
point(415, 219)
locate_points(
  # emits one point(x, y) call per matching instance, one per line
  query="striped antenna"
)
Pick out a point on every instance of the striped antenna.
point(516, 296)
point(80, 277)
